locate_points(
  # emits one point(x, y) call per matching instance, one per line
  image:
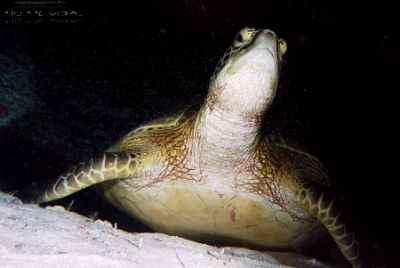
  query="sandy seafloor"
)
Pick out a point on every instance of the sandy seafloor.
point(31, 236)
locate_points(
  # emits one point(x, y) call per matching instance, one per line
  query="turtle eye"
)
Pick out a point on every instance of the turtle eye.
point(238, 41)
point(243, 37)
point(239, 38)
point(282, 46)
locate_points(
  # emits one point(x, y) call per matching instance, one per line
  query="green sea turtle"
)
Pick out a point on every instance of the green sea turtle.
point(213, 174)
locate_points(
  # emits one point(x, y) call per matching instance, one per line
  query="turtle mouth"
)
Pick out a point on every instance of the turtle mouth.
point(267, 39)
point(249, 40)
point(264, 48)
point(261, 54)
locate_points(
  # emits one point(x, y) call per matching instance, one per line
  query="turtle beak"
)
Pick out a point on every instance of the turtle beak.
point(267, 39)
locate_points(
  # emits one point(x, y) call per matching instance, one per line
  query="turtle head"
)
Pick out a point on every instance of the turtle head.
point(246, 77)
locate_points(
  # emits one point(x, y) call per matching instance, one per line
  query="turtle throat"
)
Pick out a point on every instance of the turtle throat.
point(223, 140)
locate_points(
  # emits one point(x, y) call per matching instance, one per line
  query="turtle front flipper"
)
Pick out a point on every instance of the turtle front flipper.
point(328, 209)
point(99, 168)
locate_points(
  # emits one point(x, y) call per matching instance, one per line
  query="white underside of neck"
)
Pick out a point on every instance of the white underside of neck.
point(224, 140)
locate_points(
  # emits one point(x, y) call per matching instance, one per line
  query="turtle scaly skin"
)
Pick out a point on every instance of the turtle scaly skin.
point(213, 175)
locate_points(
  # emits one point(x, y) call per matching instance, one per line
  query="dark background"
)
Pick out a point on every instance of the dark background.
point(70, 86)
